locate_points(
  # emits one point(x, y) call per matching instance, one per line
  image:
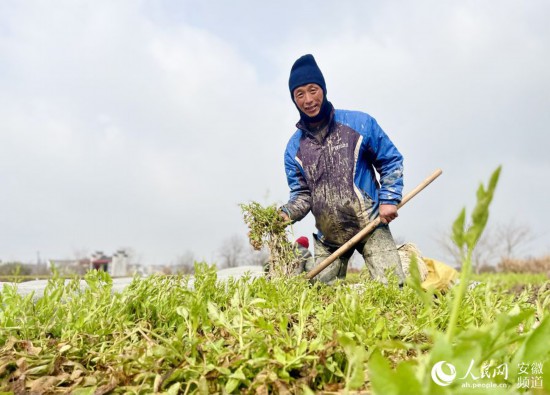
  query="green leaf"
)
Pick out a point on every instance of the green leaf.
point(80, 391)
point(470, 238)
point(380, 374)
point(415, 282)
point(231, 385)
point(379, 326)
point(238, 374)
point(546, 376)
point(356, 356)
point(406, 379)
point(537, 346)
point(458, 229)
point(174, 389)
point(357, 377)
point(202, 386)
point(480, 215)
point(302, 348)
point(182, 311)
point(305, 390)
point(213, 312)
point(38, 370)
point(279, 355)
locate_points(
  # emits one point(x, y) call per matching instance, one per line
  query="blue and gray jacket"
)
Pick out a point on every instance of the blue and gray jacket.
point(335, 178)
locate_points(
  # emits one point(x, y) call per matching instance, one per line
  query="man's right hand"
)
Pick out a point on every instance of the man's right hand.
point(387, 213)
point(284, 216)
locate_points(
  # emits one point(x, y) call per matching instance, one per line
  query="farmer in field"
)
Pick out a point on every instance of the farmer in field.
point(331, 164)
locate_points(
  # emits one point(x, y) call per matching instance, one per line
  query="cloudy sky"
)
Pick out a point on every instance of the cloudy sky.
point(144, 124)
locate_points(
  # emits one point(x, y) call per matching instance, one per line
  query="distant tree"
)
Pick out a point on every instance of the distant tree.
point(185, 263)
point(257, 258)
point(487, 269)
point(40, 269)
point(529, 265)
point(514, 238)
point(15, 269)
point(232, 252)
point(499, 241)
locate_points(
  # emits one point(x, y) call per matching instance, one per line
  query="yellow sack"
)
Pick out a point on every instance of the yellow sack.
point(433, 274)
point(440, 276)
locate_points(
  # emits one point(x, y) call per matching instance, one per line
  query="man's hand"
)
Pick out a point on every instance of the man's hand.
point(387, 213)
point(284, 216)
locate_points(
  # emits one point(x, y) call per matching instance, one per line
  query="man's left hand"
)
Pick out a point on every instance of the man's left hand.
point(387, 213)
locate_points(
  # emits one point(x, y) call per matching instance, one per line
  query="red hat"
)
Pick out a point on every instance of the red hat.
point(303, 241)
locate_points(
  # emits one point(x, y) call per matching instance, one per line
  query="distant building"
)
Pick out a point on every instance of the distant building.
point(117, 265)
point(100, 261)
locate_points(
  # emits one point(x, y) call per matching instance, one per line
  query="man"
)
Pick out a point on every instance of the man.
point(330, 163)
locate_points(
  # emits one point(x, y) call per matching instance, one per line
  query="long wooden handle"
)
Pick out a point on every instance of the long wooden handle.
point(370, 227)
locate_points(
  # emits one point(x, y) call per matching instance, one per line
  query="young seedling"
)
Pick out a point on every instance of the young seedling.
point(466, 239)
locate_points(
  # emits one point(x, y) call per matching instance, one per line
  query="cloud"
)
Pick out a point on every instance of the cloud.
point(144, 125)
point(122, 132)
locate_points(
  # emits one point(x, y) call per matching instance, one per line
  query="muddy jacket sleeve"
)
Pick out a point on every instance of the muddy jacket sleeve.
point(299, 202)
point(388, 162)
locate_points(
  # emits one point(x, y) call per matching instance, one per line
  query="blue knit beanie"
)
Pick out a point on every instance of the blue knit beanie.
point(305, 71)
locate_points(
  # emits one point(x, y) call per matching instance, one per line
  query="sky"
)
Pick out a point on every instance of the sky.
point(144, 124)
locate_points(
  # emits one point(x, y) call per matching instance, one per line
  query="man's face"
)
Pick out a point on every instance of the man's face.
point(309, 98)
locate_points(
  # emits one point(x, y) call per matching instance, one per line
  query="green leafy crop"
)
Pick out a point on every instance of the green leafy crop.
point(267, 228)
point(283, 335)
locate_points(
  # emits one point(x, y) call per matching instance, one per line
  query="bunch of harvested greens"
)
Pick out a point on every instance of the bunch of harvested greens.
point(267, 228)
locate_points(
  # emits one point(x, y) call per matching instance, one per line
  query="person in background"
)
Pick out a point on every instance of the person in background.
point(303, 255)
point(333, 162)
point(306, 259)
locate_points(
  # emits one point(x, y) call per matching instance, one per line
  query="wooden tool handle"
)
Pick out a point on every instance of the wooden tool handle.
point(370, 227)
